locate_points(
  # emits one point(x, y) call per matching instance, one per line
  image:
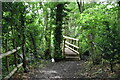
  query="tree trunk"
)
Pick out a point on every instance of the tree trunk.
point(80, 6)
point(7, 62)
point(92, 48)
point(23, 42)
point(47, 37)
point(119, 19)
point(14, 45)
point(34, 45)
point(58, 31)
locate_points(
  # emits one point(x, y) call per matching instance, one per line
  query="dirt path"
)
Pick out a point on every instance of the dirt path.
point(64, 69)
point(68, 70)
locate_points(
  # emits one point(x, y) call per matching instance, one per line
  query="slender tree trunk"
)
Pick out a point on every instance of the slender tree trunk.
point(119, 19)
point(80, 6)
point(47, 37)
point(7, 62)
point(92, 48)
point(34, 46)
point(23, 42)
point(111, 66)
point(14, 45)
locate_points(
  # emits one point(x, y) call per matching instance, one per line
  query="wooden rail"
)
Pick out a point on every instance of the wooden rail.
point(13, 71)
point(71, 43)
point(7, 54)
point(72, 49)
point(66, 37)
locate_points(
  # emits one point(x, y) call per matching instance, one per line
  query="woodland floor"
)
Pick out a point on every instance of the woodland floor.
point(69, 70)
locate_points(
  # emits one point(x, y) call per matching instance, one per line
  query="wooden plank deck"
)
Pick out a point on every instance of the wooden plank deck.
point(70, 52)
point(70, 55)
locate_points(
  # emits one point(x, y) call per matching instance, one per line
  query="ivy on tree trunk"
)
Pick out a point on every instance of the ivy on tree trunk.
point(58, 31)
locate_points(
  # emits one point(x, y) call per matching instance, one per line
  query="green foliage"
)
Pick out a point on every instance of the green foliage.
point(101, 22)
point(44, 23)
point(97, 30)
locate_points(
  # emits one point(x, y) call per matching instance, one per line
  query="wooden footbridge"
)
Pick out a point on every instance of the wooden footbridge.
point(70, 51)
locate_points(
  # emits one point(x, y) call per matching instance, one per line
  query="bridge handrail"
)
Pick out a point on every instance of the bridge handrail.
point(7, 54)
point(72, 45)
point(70, 38)
point(72, 49)
point(69, 45)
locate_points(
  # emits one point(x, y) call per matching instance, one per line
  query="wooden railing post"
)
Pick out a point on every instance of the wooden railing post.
point(7, 64)
point(64, 47)
point(15, 59)
point(24, 59)
point(79, 48)
point(74, 42)
point(78, 45)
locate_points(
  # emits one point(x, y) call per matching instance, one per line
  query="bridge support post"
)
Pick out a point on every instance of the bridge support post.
point(64, 47)
point(79, 49)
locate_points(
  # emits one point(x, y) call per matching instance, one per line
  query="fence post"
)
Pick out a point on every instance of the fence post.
point(7, 64)
point(24, 60)
point(79, 49)
point(15, 58)
point(64, 47)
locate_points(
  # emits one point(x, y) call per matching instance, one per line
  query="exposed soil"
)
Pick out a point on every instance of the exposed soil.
point(69, 70)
